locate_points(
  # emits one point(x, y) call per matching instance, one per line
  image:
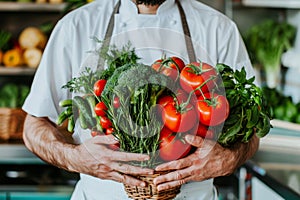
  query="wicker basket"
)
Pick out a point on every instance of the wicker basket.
point(12, 120)
point(150, 191)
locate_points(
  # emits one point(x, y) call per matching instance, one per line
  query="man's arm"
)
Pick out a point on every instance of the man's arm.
point(45, 140)
point(210, 160)
point(92, 157)
point(246, 151)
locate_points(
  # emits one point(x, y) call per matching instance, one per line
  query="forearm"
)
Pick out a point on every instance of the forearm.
point(245, 151)
point(92, 157)
point(47, 142)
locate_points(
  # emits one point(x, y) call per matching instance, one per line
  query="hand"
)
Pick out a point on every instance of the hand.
point(94, 158)
point(210, 160)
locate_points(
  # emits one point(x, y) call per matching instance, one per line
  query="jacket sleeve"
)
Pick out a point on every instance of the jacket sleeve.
point(53, 72)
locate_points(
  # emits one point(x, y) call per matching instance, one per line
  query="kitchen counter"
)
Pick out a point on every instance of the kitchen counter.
point(278, 157)
point(25, 176)
point(15, 152)
point(258, 183)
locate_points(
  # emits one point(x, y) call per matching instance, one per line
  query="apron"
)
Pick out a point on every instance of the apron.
point(92, 188)
point(185, 27)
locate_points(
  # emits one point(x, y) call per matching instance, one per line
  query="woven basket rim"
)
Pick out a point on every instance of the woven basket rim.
point(150, 192)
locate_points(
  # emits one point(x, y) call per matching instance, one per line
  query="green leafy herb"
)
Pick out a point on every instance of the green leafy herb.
point(4, 39)
point(13, 95)
point(83, 83)
point(282, 106)
point(135, 121)
point(249, 112)
point(266, 43)
point(114, 57)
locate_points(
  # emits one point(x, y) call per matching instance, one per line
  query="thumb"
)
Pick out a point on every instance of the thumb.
point(196, 141)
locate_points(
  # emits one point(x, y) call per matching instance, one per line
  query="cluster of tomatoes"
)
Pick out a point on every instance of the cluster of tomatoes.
point(100, 110)
point(194, 108)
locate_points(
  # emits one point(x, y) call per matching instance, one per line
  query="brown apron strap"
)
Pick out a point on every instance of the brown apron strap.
point(110, 27)
point(187, 34)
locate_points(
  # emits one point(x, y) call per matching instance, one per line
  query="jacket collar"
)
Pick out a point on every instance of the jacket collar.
point(128, 7)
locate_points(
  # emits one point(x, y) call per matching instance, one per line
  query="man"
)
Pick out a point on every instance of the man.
point(215, 39)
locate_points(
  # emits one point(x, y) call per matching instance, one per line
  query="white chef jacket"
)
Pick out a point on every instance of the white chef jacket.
point(215, 37)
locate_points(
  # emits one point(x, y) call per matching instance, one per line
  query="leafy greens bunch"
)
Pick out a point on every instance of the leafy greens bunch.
point(135, 121)
point(267, 42)
point(137, 88)
point(128, 105)
point(13, 95)
point(115, 58)
point(249, 112)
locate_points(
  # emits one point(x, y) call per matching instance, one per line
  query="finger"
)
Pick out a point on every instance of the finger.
point(105, 139)
point(196, 141)
point(178, 176)
point(177, 164)
point(129, 169)
point(125, 156)
point(173, 184)
point(128, 180)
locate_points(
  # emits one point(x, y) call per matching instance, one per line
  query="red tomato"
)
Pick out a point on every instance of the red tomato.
point(213, 109)
point(99, 86)
point(116, 102)
point(176, 63)
point(171, 66)
point(171, 147)
point(196, 74)
point(105, 122)
point(178, 121)
point(205, 131)
point(157, 65)
point(164, 100)
point(116, 146)
point(100, 109)
point(180, 95)
point(109, 131)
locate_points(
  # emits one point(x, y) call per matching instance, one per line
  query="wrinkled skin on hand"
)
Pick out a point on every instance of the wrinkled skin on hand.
point(95, 159)
point(92, 157)
point(210, 160)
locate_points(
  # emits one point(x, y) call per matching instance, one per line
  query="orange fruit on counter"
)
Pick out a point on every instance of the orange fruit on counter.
point(12, 58)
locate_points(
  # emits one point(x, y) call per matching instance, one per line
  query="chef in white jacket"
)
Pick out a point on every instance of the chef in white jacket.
point(154, 27)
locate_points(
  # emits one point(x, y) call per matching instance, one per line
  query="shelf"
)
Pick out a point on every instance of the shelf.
point(285, 125)
point(282, 143)
point(39, 192)
point(293, 4)
point(17, 154)
point(36, 7)
point(283, 138)
point(16, 71)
